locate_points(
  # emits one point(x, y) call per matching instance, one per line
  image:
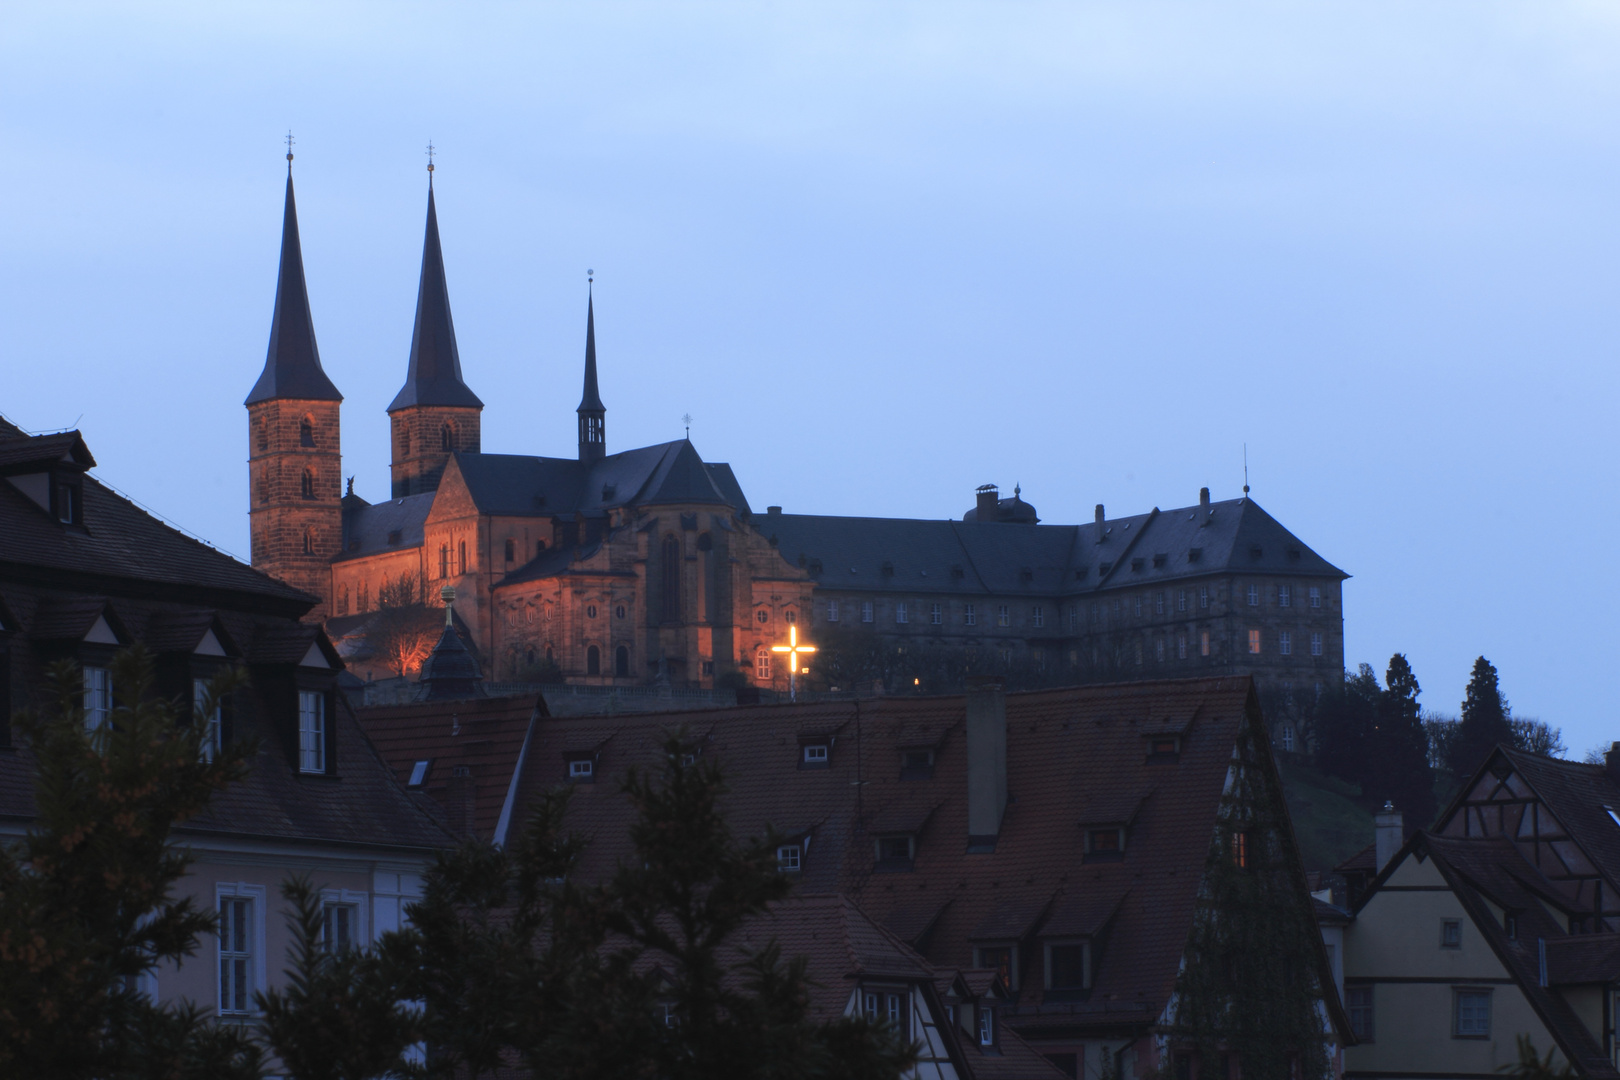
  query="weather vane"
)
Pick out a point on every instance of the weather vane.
point(430, 160)
point(590, 276)
point(289, 149)
point(686, 418)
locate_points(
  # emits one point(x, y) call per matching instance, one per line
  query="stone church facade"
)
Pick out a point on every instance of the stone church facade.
point(649, 564)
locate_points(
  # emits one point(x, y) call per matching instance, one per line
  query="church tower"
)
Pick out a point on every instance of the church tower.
point(434, 414)
point(294, 462)
point(592, 413)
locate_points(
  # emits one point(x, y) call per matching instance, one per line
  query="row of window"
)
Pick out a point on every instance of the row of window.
point(1470, 1012)
point(239, 943)
point(98, 707)
point(1285, 642)
point(1097, 615)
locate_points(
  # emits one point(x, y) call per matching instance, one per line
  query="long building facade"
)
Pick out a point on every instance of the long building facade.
point(649, 565)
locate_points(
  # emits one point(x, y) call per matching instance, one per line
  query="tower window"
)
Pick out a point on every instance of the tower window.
point(762, 663)
point(1316, 597)
point(1316, 644)
point(306, 486)
point(444, 561)
point(309, 541)
point(306, 432)
point(405, 444)
point(672, 579)
point(447, 438)
point(461, 557)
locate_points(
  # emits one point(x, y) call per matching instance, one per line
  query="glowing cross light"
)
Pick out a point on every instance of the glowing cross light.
point(794, 650)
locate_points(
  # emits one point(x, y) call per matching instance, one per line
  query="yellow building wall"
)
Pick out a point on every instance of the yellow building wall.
point(1395, 943)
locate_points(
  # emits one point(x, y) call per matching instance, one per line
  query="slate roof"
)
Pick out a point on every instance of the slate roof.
point(1577, 794)
point(484, 735)
point(434, 374)
point(969, 557)
point(122, 546)
point(367, 526)
point(590, 401)
point(292, 367)
point(365, 807)
point(1063, 748)
point(19, 450)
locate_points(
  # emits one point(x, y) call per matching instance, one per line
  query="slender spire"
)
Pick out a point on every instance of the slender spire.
point(292, 368)
point(434, 376)
point(592, 413)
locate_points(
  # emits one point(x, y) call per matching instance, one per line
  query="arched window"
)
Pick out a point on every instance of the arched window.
point(343, 601)
point(447, 438)
point(671, 577)
point(364, 601)
point(511, 550)
point(762, 664)
point(309, 541)
point(306, 487)
point(461, 557)
point(444, 561)
point(306, 432)
point(593, 661)
point(621, 662)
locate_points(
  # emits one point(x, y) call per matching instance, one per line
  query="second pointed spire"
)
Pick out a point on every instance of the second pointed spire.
point(434, 374)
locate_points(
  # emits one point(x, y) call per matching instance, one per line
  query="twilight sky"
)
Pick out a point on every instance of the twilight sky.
point(883, 254)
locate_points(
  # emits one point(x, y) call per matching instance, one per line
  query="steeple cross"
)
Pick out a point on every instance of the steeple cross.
point(430, 153)
point(793, 650)
point(289, 141)
point(686, 418)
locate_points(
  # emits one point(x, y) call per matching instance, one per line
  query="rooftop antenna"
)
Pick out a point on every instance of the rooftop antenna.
point(1245, 470)
point(686, 418)
point(289, 151)
point(430, 152)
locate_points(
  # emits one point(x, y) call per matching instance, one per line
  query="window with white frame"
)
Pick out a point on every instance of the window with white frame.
point(240, 947)
point(1288, 738)
point(1003, 617)
point(900, 612)
point(209, 721)
point(1285, 643)
point(762, 663)
point(969, 615)
point(1181, 600)
point(1203, 596)
point(1158, 604)
point(1254, 642)
point(1285, 596)
point(788, 858)
point(97, 698)
point(1316, 643)
point(987, 1026)
point(866, 611)
point(311, 731)
point(582, 768)
point(1181, 646)
point(1158, 650)
point(936, 614)
point(1037, 616)
point(1315, 596)
point(1137, 608)
point(1254, 596)
point(340, 926)
point(832, 611)
point(1472, 1013)
point(815, 754)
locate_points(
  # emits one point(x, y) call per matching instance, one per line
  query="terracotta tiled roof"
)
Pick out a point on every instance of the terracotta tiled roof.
point(483, 735)
point(1064, 748)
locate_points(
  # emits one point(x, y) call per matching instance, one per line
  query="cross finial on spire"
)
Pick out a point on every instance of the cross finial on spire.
point(686, 418)
point(430, 152)
point(289, 149)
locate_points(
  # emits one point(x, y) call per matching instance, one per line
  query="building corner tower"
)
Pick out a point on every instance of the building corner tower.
point(434, 414)
point(294, 452)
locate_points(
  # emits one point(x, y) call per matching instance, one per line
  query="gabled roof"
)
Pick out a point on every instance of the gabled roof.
point(292, 367)
point(367, 527)
point(21, 452)
point(434, 375)
point(122, 547)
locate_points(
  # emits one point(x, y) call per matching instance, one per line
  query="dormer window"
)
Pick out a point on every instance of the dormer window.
point(1164, 746)
point(1068, 967)
point(582, 770)
point(311, 731)
point(1000, 958)
point(815, 755)
point(1105, 844)
point(789, 858)
point(895, 853)
point(987, 1025)
point(1194, 554)
point(67, 504)
point(917, 764)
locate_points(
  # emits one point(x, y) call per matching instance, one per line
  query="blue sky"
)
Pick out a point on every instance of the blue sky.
point(883, 254)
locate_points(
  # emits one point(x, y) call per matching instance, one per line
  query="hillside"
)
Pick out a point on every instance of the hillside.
point(1328, 817)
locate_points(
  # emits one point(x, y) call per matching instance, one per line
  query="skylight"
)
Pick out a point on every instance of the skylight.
point(419, 773)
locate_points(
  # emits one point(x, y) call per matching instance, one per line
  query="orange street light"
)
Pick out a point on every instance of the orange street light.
point(794, 650)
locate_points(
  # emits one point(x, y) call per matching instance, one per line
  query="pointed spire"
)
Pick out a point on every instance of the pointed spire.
point(292, 368)
point(434, 375)
point(592, 413)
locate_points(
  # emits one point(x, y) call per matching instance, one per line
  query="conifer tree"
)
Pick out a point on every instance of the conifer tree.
point(1400, 758)
point(1484, 721)
point(87, 901)
point(1346, 726)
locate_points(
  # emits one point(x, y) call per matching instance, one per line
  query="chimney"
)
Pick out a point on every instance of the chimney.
point(1389, 833)
point(1611, 763)
point(1101, 528)
point(1203, 498)
point(987, 760)
point(987, 501)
